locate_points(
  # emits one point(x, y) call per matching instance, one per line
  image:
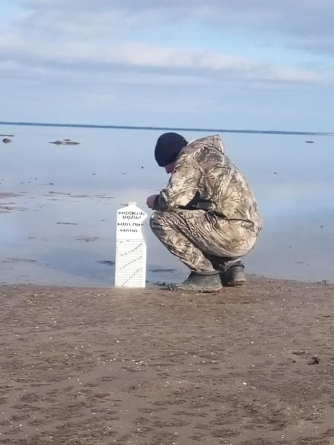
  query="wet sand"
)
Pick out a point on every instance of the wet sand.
point(249, 366)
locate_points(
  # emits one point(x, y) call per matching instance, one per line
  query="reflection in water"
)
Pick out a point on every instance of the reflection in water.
point(58, 204)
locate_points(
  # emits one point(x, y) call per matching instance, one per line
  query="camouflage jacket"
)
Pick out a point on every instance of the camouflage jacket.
point(205, 178)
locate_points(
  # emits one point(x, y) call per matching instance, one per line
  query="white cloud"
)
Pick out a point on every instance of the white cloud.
point(89, 34)
point(8, 65)
point(295, 23)
point(217, 51)
point(82, 56)
point(297, 75)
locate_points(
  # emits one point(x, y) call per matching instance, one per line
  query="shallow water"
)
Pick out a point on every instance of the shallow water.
point(60, 226)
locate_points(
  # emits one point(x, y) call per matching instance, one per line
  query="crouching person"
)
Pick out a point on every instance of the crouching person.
point(207, 215)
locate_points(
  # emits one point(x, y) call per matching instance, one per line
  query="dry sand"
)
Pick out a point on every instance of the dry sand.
point(245, 366)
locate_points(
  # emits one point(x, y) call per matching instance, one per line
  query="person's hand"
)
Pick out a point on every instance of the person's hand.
point(150, 201)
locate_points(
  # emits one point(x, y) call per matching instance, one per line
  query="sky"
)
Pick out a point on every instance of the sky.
point(234, 64)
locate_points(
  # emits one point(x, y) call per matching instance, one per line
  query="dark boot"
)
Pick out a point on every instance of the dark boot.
point(199, 282)
point(234, 275)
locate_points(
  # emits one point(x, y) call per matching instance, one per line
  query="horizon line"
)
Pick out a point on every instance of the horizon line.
point(134, 127)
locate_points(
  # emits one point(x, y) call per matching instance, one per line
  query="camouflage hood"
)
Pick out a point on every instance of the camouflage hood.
point(205, 178)
point(209, 141)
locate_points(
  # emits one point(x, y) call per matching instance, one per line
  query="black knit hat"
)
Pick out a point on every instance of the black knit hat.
point(168, 147)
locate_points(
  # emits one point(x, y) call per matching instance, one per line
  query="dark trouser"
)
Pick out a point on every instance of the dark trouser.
point(202, 241)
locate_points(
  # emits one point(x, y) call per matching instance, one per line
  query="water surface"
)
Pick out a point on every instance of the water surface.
point(57, 224)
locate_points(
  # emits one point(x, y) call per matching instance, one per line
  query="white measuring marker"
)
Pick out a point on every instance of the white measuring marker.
point(130, 270)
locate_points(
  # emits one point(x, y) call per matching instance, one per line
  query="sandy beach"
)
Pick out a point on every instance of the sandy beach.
point(248, 366)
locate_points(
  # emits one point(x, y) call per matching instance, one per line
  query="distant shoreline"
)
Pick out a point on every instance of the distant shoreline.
point(206, 130)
